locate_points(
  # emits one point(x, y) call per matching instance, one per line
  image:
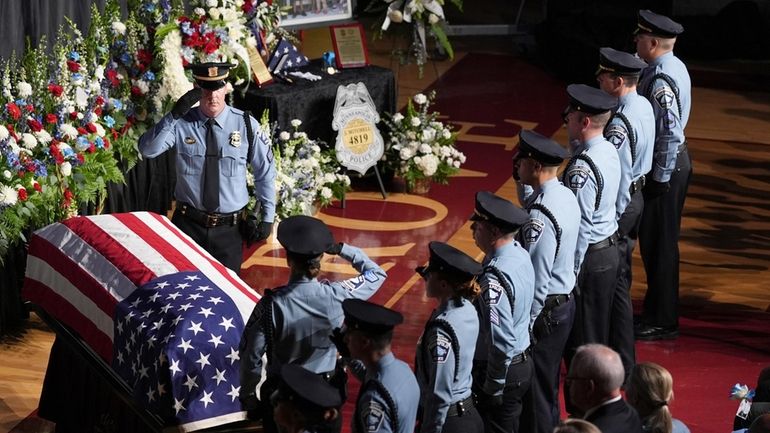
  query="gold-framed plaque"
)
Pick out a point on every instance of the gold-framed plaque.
point(259, 68)
point(349, 45)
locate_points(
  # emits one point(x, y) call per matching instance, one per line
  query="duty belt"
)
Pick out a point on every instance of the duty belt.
point(207, 219)
point(553, 301)
point(521, 357)
point(459, 408)
point(637, 185)
point(605, 243)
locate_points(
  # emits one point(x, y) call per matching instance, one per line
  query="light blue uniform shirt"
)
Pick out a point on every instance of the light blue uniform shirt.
point(373, 411)
point(305, 312)
point(554, 273)
point(504, 332)
point(639, 113)
point(595, 224)
point(669, 126)
point(435, 361)
point(188, 134)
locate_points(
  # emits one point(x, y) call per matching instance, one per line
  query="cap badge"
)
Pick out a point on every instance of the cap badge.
point(213, 71)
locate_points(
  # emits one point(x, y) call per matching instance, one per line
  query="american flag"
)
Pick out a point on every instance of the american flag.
point(153, 304)
point(294, 59)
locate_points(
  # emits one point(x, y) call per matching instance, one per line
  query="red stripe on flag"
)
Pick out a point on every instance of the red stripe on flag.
point(66, 313)
point(156, 241)
point(125, 260)
point(217, 265)
point(72, 272)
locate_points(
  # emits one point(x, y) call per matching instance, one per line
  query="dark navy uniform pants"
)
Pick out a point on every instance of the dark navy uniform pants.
point(659, 246)
point(469, 422)
point(507, 417)
point(223, 242)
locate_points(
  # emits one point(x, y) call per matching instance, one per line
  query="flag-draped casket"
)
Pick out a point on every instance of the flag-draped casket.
point(165, 315)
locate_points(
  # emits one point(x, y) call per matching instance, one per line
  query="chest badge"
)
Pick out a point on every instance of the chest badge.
point(189, 140)
point(235, 139)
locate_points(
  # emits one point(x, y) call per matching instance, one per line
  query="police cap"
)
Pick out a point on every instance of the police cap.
point(307, 389)
point(619, 62)
point(448, 259)
point(541, 148)
point(590, 100)
point(658, 25)
point(304, 235)
point(369, 317)
point(498, 212)
point(211, 75)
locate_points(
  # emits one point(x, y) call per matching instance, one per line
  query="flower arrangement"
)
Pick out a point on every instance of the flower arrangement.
point(306, 175)
point(741, 392)
point(421, 147)
point(427, 19)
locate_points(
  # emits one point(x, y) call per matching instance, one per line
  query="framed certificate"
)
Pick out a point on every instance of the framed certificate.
point(349, 45)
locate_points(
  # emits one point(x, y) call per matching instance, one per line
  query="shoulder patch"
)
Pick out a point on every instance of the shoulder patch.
point(440, 348)
point(664, 97)
point(532, 230)
point(353, 284)
point(493, 293)
point(577, 177)
point(371, 276)
point(616, 134)
point(373, 416)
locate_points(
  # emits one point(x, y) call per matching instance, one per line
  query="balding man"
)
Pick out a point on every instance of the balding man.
point(594, 380)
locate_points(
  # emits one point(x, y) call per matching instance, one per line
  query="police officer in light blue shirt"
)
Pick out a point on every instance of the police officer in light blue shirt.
point(593, 174)
point(389, 395)
point(502, 368)
point(292, 324)
point(444, 355)
point(632, 131)
point(550, 236)
point(304, 402)
point(666, 83)
point(214, 143)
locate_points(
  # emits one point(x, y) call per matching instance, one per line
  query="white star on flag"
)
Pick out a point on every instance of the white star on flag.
point(206, 399)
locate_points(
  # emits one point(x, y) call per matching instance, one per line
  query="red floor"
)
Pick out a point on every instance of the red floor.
point(719, 346)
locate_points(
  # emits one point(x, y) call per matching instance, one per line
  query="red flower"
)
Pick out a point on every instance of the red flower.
point(106, 143)
point(98, 111)
point(34, 125)
point(99, 100)
point(91, 128)
point(112, 75)
point(51, 119)
point(211, 46)
point(55, 152)
point(55, 89)
point(22, 194)
point(37, 187)
point(74, 115)
point(114, 134)
point(80, 158)
point(29, 107)
point(82, 131)
point(136, 91)
point(13, 110)
point(144, 57)
point(67, 198)
point(91, 147)
point(73, 66)
point(247, 7)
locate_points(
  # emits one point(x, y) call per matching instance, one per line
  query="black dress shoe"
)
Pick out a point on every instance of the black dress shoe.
point(652, 333)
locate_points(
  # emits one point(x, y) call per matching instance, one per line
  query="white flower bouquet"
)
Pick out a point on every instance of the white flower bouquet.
point(421, 147)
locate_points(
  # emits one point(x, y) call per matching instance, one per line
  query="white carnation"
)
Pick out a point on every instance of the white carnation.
point(212, 3)
point(411, 135)
point(8, 195)
point(142, 86)
point(415, 121)
point(92, 117)
point(284, 135)
point(81, 98)
point(446, 134)
point(406, 153)
point(69, 131)
point(66, 169)
point(7, 174)
point(329, 178)
point(428, 165)
point(43, 136)
point(420, 99)
point(296, 123)
point(433, 18)
point(428, 134)
point(28, 141)
point(456, 164)
point(424, 148)
point(326, 193)
point(100, 130)
point(199, 11)
point(118, 28)
point(398, 117)
point(25, 89)
point(3, 133)
point(214, 12)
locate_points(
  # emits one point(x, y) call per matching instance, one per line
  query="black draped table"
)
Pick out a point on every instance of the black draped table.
point(312, 102)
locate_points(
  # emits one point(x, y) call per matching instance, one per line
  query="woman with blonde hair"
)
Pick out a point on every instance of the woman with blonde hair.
point(650, 389)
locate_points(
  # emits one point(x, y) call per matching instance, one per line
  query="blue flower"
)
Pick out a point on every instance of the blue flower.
point(149, 76)
point(82, 143)
point(120, 44)
point(74, 56)
point(67, 152)
point(149, 6)
point(76, 76)
point(41, 170)
point(125, 58)
point(99, 142)
point(117, 104)
point(109, 121)
point(185, 27)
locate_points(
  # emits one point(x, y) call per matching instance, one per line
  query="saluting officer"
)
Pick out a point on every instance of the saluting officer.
point(389, 396)
point(304, 402)
point(666, 83)
point(593, 174)
point(444, 356)
point(292, 323)
point(502, 368)
point(632, 131)
point(214, 144)
point(550, 236)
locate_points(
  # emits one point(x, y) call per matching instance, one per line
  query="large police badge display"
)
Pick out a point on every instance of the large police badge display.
point(359, 144)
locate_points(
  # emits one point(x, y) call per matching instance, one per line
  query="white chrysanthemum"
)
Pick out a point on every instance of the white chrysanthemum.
point(175, 83)
point(43, 136)
point(428, 165)
point(8, 195)
point(7, 174)
point(411, 135)
point(326, 193)
point(425, 149)
point(420, 99)
point(428, 135)
point(230, 15)
point(100, 130)
point(118, 28)
point(64, 147)
point(25, 89)
point(300, 135)
point(406, 153)
point(214, 13)
point(398, 117)
point(199, 11)
point(28, 141)
point(92, 117)
point(296, 123)
point(284, 135)
point(66, 169)
point(3, 132)
point(69, 131)
point(433, 18)
point(415, 121)
point(456, 164)
point(212, 3)
point(446, 134)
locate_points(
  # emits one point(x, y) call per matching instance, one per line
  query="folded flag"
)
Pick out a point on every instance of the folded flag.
point(286, 56)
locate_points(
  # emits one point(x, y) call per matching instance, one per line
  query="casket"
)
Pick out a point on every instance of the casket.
point(148, 326)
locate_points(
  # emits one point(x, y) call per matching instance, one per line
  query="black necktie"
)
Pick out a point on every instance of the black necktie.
point(211, 169)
